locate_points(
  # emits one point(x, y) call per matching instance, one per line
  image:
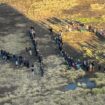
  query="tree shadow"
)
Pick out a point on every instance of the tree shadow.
point(54, 20)
point(57, 21)
point(72, 51)
point(14, 22)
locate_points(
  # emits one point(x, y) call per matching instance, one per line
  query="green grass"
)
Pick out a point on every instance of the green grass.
point(90, 20)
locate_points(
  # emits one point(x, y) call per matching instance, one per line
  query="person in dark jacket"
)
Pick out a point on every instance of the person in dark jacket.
point(41, 70)
point(32, 32)
point(40, 58)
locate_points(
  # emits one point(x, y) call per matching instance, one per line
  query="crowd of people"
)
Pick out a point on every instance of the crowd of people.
point(76, 25)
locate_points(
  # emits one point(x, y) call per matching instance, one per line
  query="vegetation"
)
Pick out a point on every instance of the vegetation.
point(18, 86)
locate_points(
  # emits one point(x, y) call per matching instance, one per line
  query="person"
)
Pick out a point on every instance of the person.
point(97, 33)
point(32, 32)
point(60, 37)
point(69, 28)
point(65, 55)
point(78, 64)
point(34, 43)
point(30, 51)
point(87, 27)
point(3, 54)
point(95, 30)
point(69, 60)
point(36, 51)
point(74, 65)
point(62, 53)
point(93, 66)
point(26, 49)
point(32, 68)
point(82, 24)
point(85, 65)
point(58, 40)
point(90, 67)
point(90, 28)
point(16, 63)
point(60, 46)
point(101, 31)
point(40, 58)
point(51, 33)
point(20, 59)
point(51, 30)
point(14, 58)
point(41, 70)
point(26, 63)
point(8, 56)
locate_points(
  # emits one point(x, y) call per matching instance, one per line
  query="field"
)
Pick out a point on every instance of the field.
point(18, 86)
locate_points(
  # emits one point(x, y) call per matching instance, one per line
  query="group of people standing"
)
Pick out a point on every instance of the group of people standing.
point(32, 35)
point(76, 25)
point(86, 64)
point(15, 59)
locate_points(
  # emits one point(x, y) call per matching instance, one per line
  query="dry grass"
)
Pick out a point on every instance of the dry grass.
point(29, 91)
point(41, 9)
point(83, 10)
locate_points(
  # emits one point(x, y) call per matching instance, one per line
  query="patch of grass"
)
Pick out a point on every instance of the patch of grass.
point(97, 6)
point(72, 74)
point(99, 90)
point(99, 79)
point(90, 20)
point(41, 9)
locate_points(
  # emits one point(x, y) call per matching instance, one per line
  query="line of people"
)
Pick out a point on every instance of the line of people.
point(20, 61)
point(76, 64)
point(15, 59)
point(32, 35)
point(86, 64)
